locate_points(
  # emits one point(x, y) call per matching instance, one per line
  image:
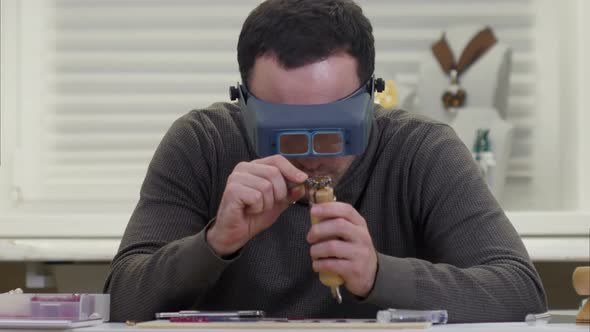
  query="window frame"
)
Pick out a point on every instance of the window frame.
point(23, 220)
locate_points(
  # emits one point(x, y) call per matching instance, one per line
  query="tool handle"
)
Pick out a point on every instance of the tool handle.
point(325, 195)
point(581, 280)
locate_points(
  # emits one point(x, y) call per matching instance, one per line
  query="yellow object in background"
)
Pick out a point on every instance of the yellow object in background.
point(581, 282)
point(388, 98)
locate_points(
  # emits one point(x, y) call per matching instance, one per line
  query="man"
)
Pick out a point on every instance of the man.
point(414, 227)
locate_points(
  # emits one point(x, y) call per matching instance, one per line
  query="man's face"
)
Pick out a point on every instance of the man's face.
point(321, 82)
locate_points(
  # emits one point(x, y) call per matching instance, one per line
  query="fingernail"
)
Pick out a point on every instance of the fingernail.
point(316, 209)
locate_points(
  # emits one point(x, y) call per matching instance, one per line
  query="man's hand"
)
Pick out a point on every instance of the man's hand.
point(341, 244)
point(255, 195)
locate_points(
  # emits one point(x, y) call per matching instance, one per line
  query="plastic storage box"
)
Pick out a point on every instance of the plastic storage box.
point(71, 307)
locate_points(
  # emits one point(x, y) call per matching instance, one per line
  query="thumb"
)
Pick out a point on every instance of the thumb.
point(295, 194)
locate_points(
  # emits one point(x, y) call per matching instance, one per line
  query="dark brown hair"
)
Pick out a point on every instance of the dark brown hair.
point(300, 32)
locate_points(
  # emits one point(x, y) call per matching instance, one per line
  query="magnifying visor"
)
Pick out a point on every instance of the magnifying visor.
point(304, 143)
point(332, 129)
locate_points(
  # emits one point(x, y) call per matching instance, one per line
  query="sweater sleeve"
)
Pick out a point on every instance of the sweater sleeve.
point(474, 263)
point(164, 262)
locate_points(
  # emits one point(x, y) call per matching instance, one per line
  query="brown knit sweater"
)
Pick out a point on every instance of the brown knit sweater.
point(443, 241)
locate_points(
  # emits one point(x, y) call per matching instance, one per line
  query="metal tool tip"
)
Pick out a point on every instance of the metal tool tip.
point(336, 294)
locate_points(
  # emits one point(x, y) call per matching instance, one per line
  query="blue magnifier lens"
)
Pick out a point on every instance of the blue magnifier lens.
point(294, 144)
point(327, 143)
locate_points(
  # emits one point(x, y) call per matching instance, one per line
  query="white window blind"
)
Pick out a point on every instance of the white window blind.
point(114, 74)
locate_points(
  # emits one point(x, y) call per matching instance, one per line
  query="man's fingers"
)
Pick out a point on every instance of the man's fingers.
point(262, 185)
point(332, 249)
point(289, 172)
point(268, 172)
point(338, 266)
point(334, 228)
point(246, 196)
point(296, 193)
point(334, 210)
point(340, 258)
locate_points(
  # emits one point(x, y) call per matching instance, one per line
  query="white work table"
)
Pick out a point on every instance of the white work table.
point(491, 327)
point(484, 327)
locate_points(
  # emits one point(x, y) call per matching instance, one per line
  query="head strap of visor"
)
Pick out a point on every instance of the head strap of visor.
point(373, 84)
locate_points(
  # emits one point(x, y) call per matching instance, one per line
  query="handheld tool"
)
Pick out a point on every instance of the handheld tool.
point(321, 191)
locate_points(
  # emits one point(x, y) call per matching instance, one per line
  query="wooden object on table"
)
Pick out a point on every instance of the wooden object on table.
point(581, 282)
